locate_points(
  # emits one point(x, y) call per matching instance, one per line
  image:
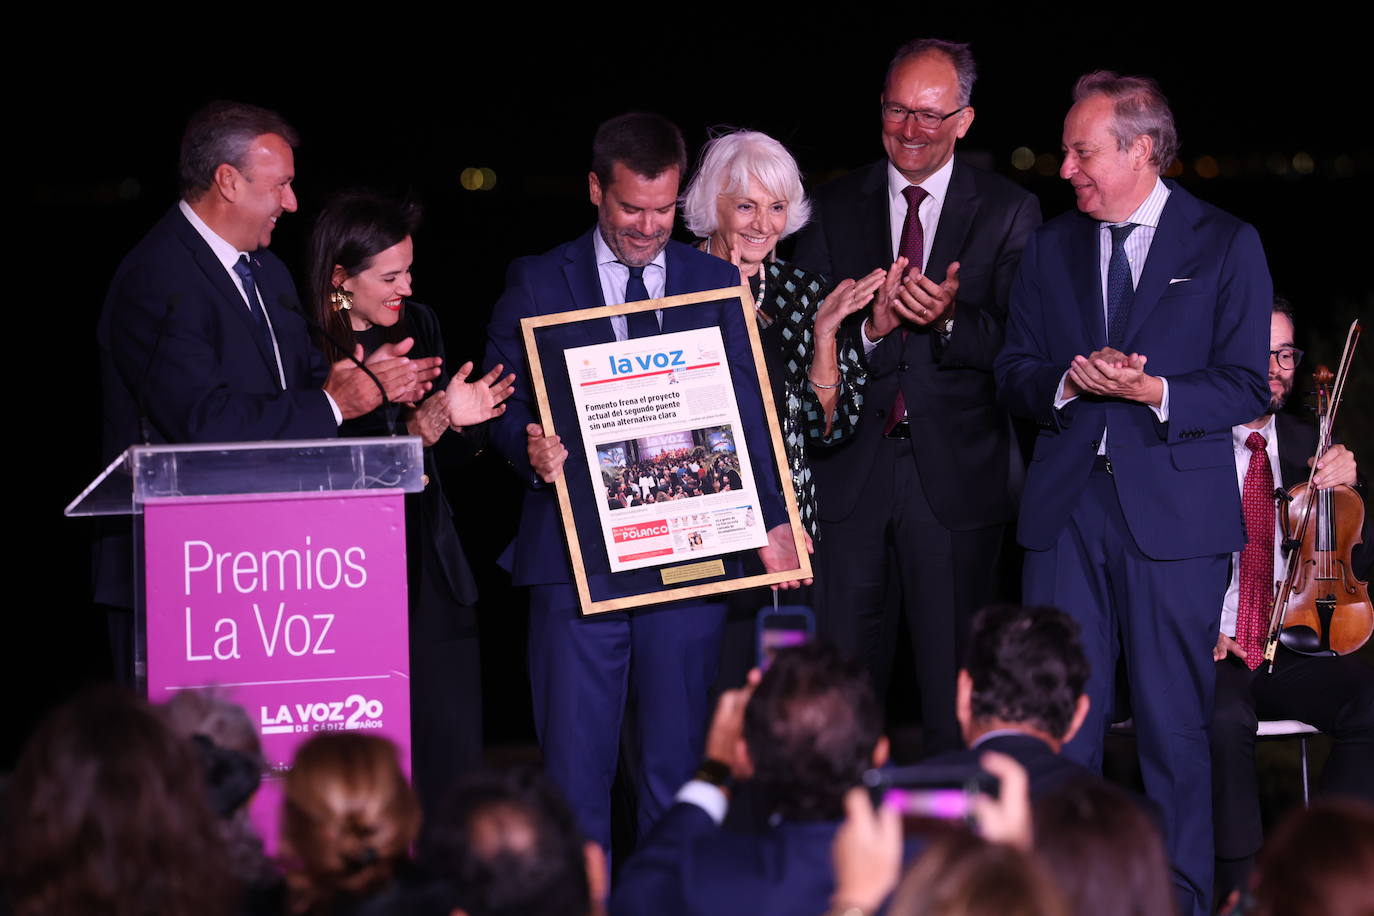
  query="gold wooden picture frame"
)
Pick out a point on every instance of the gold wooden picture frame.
point(672, 572)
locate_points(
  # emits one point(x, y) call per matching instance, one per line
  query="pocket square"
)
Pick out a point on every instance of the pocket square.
point(1180, 280)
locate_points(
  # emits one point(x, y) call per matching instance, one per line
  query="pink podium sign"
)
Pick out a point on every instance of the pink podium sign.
point(293, 607)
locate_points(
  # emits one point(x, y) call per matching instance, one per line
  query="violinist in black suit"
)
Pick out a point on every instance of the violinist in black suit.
point(927, 477)
point(1336, 694)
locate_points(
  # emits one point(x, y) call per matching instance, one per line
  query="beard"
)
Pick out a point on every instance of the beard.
point(1278, 399)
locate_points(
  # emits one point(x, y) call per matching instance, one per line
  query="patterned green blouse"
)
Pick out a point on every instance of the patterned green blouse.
point(786, 318)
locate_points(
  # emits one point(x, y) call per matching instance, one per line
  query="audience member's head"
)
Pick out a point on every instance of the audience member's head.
point(107, 813)
point(962, 874)
point(1319, 862)
point(1025, 670)
point(508, 844)
point(1104, 851)
point(348, 819)
point(231, 755)
point(226, 740)
point(811, 729)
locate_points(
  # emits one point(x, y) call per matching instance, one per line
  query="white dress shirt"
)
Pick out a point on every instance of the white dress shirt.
point(614, 275)
point(1239, 434)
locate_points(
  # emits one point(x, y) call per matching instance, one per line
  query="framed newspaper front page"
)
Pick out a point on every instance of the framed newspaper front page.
point(676, 470)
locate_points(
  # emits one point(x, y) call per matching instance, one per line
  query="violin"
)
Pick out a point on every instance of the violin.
point(1320, 607)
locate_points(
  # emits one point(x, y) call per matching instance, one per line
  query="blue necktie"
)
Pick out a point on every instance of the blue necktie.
point(645, 323)
point(250, 289)
point(1120, 289)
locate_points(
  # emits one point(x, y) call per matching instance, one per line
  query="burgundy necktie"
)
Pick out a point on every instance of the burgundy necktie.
point(1257, 559)
point(912, 247)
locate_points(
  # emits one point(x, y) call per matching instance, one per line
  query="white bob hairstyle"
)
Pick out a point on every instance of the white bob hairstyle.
point(728, 164)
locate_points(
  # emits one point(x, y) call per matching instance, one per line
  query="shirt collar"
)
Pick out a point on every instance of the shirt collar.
point(999, 733)
point(1147, 214)
point(226, 253)
point(937, 185)
point(604, 255)
point(1240, 433)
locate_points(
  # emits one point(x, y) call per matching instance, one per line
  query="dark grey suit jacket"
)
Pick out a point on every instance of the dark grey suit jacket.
point(960, 436)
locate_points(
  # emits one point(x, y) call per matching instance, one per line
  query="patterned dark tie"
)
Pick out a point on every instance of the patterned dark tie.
point(244, 269)
point(912, 247)
point(645, 323)
point(1120, 288)
point(1257, 559)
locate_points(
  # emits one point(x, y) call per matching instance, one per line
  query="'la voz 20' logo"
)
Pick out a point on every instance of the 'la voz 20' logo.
point(339, 715)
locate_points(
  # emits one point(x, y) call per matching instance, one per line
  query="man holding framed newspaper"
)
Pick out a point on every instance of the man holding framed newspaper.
point(619, 404)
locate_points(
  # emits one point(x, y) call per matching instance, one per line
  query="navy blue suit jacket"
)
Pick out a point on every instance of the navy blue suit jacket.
point(689, 865)
point(1201, 316)
point(178, 346)
point(1045, 769)
point(181, 361)
point(566, 279)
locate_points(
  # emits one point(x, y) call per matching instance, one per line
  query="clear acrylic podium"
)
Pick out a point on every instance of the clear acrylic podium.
point(145, 474)
point(275, 574)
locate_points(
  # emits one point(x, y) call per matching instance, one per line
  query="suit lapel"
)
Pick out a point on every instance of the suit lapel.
point(231, 296)
point(1297, 442)
point(1085, 268)
point(584, 285)
point(956, 216)
point(682, 279)
point(1171, 245)
point(874, 224)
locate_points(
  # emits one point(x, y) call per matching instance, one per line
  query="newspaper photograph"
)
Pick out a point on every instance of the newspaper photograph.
point(665, 449)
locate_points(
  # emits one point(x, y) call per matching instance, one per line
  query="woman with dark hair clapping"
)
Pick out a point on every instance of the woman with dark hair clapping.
point(361, 251)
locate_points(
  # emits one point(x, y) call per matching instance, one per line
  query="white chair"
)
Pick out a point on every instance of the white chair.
point(1268, 728)
point(1290, 728)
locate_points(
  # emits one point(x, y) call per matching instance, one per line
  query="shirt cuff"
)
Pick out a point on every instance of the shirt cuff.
point(1058, 401)
point(338, 414)
point(707, 797)
point(1162, 411)
point(868, 345)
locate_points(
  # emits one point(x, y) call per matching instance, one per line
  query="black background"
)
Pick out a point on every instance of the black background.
point(403, 104)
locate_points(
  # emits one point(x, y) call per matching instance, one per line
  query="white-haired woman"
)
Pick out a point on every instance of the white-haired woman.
point(747, 196)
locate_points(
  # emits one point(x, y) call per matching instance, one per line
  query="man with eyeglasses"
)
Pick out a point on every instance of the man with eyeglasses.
point(1334, 693)
point(930, 478)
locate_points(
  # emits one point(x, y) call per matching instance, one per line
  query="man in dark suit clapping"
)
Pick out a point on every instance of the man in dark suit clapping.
point(928, 477)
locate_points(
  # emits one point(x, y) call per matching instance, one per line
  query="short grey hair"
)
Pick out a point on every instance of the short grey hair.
point(728, 164)
point(1138, 108)
point(958, 54)
point(224, 132)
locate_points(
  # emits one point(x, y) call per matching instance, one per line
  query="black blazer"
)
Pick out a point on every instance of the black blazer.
point(1046, 770)
point(960, 438)
point(432, 544)
point(179, 350)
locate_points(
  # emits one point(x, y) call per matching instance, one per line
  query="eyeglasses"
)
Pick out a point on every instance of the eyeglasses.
point(897, 114)
point(1287, 357)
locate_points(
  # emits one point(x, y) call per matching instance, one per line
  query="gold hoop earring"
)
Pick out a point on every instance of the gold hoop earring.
point(340, 299)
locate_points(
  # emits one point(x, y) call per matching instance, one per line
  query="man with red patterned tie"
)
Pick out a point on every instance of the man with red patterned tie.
point(915, 504)
point(1336, 694)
